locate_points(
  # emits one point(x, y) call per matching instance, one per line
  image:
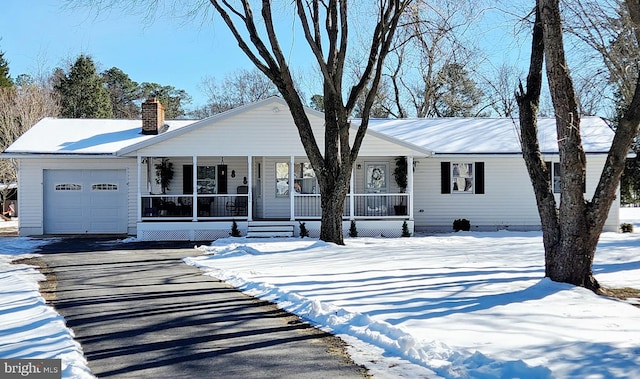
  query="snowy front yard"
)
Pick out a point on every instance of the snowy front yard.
point(464, 305)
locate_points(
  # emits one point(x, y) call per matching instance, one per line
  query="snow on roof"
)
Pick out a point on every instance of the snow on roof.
point(486, 135)
point(83, 136)
point(439, 135)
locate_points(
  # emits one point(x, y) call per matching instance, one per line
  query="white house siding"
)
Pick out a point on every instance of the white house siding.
point(508, 201)
point(260, 132)
point(31, 187)
point(498, 207)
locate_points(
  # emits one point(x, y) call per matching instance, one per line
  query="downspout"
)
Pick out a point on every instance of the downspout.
point(250, 191)
point(139, 188)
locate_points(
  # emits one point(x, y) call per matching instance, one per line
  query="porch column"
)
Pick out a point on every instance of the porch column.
point(410, 185)
point(352, 204)
point(139, 189)
point(194, 199)
point(250, 184)
point(292, 199)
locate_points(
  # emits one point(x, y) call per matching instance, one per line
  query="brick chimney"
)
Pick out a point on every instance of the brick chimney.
point(152, 116)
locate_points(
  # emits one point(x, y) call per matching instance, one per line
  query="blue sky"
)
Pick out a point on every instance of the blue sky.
point(39, 35)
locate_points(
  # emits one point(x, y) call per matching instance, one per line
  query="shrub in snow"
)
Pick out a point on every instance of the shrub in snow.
point(235, 232)
point(626, 228)
point(405, 229)
point(303, 230)
point(461, 224)
point(353, 232)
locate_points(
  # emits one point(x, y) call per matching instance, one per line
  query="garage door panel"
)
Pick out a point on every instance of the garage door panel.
point(85, 201)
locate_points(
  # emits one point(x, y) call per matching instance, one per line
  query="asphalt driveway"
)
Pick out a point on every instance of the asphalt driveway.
point(139, 312)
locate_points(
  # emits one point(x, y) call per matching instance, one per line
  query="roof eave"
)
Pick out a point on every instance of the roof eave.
point(33, 155)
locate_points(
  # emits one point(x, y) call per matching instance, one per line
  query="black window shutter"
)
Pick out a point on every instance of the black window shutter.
point(222, 178)
point(445, 177)
point(479, 177)
point(187, 179)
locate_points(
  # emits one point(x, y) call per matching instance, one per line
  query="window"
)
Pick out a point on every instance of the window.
point(282, 179)
point(462, 177)
point(557, 177)
point(305, 179)
point(555, 173)
point(68, 187)
point(104, 187)
point(377, 177)
point(206, 181)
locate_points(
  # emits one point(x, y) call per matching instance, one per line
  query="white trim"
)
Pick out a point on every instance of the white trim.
point(194, 184)
point(292, 200)
point(352, 205)
point(409, 188)
point(139, 189)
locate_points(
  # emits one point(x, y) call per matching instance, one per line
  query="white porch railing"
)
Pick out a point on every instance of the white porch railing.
point(235, 206)
point(370, 205)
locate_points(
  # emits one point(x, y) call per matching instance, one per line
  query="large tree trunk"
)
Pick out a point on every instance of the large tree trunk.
point(332, 204)
point(570, 231)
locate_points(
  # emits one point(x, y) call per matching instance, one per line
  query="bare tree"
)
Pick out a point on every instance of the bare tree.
point(430, 40)
point(20, 108)
point(606, 33)
point(235, 89)
point(325, 25)
point(499, 88)
point(572, 229)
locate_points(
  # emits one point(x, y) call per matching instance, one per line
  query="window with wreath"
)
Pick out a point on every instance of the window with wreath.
point(377, 177)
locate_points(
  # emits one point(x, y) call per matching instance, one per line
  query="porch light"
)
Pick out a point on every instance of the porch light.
point(233, 173)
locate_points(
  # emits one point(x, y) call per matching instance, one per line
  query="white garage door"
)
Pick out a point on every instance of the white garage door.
point(85, 202)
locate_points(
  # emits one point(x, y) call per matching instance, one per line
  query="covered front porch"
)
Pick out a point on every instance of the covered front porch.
point(206, 194)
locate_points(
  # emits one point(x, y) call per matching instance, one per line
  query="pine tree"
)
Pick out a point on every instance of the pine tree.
point(123, 92)
point(82, 92)
point(172, 98)
point(5, 79)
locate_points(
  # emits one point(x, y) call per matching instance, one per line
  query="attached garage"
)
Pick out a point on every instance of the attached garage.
point(85, 201)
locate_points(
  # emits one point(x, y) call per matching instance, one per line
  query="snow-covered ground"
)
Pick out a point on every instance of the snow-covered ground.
point(463, 305)
point(29, 328)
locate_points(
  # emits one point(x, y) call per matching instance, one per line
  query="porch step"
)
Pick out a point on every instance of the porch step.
point(269, 230)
